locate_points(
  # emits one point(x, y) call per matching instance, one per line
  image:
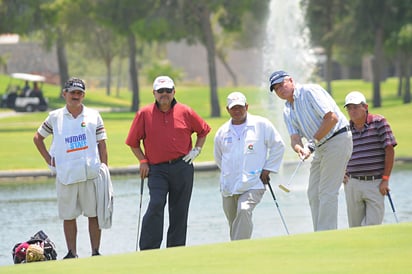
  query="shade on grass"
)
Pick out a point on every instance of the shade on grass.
point(376, 249)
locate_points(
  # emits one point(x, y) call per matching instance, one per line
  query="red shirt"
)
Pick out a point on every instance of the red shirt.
point(166, 135)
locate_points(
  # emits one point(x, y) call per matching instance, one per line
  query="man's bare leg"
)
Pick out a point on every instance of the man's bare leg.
point(70, 233)
point(95, 235)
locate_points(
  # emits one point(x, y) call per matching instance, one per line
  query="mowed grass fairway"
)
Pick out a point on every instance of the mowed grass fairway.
point(16, 133)
point(375, 249)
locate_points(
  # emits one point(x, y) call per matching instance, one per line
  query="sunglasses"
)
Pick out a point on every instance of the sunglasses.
point(163, 90)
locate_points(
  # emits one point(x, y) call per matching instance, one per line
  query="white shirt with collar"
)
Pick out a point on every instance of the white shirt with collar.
point(242, 157)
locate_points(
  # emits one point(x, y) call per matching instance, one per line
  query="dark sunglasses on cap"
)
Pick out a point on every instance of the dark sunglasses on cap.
point(162, 90)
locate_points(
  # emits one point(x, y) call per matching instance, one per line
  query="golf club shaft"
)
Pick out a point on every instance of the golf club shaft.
point(277, 206)
point(294, 173)
point(393, 207)
point(140, 213)
point(286, 187)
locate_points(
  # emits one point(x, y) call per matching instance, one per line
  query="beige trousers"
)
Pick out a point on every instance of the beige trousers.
point(326, 177)
point(365, 204)
point(238, 210)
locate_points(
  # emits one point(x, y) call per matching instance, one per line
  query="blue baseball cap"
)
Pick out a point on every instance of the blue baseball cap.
point(277, 77)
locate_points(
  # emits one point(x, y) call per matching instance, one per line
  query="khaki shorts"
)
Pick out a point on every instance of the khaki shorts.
point(76, 199)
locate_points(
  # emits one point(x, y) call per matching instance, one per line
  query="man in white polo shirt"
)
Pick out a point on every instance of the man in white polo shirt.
point(77, 151)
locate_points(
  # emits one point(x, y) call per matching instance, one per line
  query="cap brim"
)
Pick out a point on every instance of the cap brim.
point(73, 89)
point(163, 86)
point(353, 103)
point(236, 104)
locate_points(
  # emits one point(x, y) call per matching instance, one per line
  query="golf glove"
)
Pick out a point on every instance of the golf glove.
point(310, 146)
point(192, 155)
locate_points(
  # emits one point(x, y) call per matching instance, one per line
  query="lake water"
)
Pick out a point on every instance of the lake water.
point(27, 207)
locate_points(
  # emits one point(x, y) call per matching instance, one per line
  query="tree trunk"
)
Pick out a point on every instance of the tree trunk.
point(399, 69)
point(227, 67)
point(119, 77)
point(108, 77)
point(62, 59)
point(376, 67)
point(133, 72)
point(209, 43)
point(407, 94)
point(329, 70)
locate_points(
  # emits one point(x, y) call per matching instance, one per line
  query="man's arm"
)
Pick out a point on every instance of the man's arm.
point(389, 159)
point(329, 121)
point(144, 165)
point(200, 141)
point(101, 145)
point(41, 147)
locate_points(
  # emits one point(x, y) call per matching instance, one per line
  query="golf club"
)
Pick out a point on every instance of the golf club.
point(140, 213)
point(287, 187)
point(277, 206)
point(393, 207)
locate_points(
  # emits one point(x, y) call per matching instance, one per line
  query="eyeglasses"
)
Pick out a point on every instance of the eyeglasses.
point(163, 90)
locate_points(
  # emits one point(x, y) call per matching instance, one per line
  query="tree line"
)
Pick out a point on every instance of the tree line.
point(349, 29)
point(105, 25)
point(344, 29)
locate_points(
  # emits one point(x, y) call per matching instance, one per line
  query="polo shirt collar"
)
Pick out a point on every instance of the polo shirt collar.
point(174, 102)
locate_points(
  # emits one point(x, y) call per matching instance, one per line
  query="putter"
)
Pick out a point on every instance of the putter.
point(287, 187)
point(140, 213)
point(393, 207)
point(277, 206)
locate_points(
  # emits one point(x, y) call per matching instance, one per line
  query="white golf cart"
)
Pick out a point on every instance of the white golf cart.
point(29, 98)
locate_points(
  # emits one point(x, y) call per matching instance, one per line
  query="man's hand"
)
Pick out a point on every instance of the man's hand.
point(264, 176)
point(192, 155)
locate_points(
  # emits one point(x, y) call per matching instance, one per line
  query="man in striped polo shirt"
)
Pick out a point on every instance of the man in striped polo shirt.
point(311, 113)
point(369, 169)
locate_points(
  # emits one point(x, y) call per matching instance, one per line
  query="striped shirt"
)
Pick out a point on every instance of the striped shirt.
point(368, 157)
point(311, 104)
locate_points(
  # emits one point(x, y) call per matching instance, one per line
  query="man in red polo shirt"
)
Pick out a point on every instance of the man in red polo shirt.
point(369, 168)
point(163, 131)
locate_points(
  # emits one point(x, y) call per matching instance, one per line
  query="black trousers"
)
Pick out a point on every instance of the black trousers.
point(173, 182)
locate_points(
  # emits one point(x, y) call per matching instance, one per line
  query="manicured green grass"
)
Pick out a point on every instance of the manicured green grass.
point(374, 249)
point(16, 133)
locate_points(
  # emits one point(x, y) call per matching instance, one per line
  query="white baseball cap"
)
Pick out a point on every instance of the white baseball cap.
point(354, 97)
point(236, 99)
point(163, 82)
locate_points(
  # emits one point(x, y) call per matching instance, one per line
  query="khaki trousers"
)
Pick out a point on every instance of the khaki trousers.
point(238, 210)
point(326, 176)
point(365, 204)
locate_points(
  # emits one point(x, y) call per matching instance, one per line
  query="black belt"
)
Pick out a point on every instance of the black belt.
point(172, 161)
point(367, 178)
point(342, 130)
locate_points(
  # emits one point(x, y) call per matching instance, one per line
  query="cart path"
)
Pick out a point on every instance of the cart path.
point(5, 114)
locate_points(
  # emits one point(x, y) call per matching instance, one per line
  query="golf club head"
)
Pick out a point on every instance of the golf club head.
point(285, 189)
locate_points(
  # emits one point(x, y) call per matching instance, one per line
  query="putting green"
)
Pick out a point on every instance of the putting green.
point(375, 249)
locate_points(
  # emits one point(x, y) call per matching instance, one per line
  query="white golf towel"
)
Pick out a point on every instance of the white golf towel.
point(104, 193)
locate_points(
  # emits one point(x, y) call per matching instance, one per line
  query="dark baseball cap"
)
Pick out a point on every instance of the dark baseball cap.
point(74, 84)
point(277, 77)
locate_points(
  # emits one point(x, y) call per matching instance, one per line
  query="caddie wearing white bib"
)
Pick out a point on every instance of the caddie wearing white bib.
point(77, 151)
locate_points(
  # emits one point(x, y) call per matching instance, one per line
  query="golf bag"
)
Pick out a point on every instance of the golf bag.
point(38, 248)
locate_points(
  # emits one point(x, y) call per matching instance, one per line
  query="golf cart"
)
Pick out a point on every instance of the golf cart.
point(28, 99)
